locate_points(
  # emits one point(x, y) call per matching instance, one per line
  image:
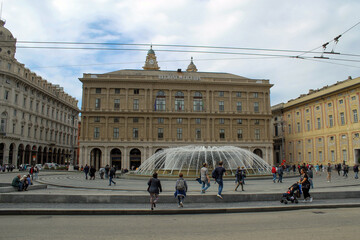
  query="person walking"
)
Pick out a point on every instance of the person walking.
point(154, 188)
point(240, 177)
point(273, 171)
point(204, 177)
point(338, 168)
point(345, 170)
point(36, 172)
point(31, 172)
point(305, 185)
point(218, 175)
point(328, 170)
point(310, 174)
point(101, 173)
point(180, 190)
point(356, 171)
point(280, 172)
point(107, 169)
point(86, 171)
point(92, 173)
point(112, 175)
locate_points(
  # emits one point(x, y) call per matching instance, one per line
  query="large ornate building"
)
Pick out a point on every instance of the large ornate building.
point(38, 119)
point(322, 126)
point(128, 115)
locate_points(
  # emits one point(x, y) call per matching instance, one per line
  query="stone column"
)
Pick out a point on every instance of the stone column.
point(6, 153)
point(14, 156)
point(126, 99)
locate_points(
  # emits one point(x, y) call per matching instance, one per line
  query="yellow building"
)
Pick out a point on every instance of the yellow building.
point(323, 126)
point(128, 115)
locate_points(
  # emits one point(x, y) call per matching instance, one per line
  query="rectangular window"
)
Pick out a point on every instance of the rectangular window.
point(161, 120)
point(221, 121)
point(344, 155)
point(197, 120)
point(238, 106)
point(221, 94)
point(13, 130)
point(98, 90)
point(331, 121)
point(256, 107)
point(135, 133)
point(332, 155)
point(318, 123)
point(179, 104)
point(198, 134)
point(257, 121)
point(308, 125)
point(136, 104)
point(221, 106)
point(116, 120)
point(256, 95)
point(239, 133)
point(239, 121)
point(329, 104)
point(135, 120)
point(198, 105)
point(355, 116)
point(238, 94)
point(97, 103)
point(160, 104)
point(96, 119)
point(22, 130)
point(342, 118)
point(6, 94)
point(341, 101)
point(257, 134)
point(116, 103)
point(289, 129)
point(117, 90)
point(179, 133)
point(15, 112)
point(353, 98)
point(309, 156)
point(222, 133)
point(299, 156)
point(179, 120)
point(116, 133)
point(298, 127)
point(16, 98)
point(96, 132)
point(3, 125)
point(160, 133)
point(320, 156)
point(29, 130)
point(136, 91)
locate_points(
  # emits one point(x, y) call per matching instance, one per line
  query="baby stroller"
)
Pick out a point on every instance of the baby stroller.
point(293, 193)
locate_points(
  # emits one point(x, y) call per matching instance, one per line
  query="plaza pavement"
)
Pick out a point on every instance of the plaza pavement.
point(70, 193)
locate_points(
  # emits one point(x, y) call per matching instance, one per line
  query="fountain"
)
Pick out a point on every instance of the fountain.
point(189, 160)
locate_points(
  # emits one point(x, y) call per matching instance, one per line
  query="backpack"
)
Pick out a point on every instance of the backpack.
point(180, 185)
point(214, 174)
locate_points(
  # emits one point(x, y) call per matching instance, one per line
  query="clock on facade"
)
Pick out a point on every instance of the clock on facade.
point(151, 61)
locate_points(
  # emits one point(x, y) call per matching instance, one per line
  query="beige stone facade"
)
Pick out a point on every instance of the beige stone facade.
point(38, 119)
point(128, 115)
point(323, 126)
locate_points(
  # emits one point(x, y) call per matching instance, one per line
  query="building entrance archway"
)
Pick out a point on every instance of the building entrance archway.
point(115, 158)
point(258, 152)
point(135, 158)
point(95, 158)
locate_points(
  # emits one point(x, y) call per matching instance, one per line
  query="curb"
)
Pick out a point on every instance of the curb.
point(36, 211)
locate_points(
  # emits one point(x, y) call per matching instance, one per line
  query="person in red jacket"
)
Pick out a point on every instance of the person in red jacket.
point(273, 171)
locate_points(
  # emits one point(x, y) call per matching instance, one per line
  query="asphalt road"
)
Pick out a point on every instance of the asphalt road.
point(303, 224)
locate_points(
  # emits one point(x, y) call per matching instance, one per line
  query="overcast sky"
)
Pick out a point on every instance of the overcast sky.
point(287, 24)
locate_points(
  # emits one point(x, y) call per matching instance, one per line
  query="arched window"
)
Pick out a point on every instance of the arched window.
point(198, 102)
point(179, 101)
point(160, 101)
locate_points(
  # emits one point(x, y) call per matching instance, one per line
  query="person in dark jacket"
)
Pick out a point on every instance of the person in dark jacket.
point(86, 171)
point(154, 188)
point(16, 183)
point(92, 173)
point(112, 175)
point(240, 177)
point(107, 169)
point(305, 185)
point(356, 171)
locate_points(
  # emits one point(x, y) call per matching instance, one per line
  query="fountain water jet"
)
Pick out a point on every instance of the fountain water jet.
point(189, 160)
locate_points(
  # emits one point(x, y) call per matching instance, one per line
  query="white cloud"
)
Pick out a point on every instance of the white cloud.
point(279, 24)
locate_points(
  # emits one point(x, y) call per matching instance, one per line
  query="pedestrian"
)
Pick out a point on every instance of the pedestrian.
point(305, 185)
point(86, 171)
point(180, 190)
point(31, 171)
point(92, 173)
point(204, 177)
point(218, 175)
point(154, 188)
point(328, 170)
point(107, 169)
point(112, 175)
point(273, 171)
point(345, 170)
point(338, 168)
point(36, 172)
point(356, 171)
point(16, 183)
point(317, 168)
point(102, 172)
point(240, 177)
point(310, 174)
point(280, 172)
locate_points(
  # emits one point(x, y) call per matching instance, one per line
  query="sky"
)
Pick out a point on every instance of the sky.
point(256, 24)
